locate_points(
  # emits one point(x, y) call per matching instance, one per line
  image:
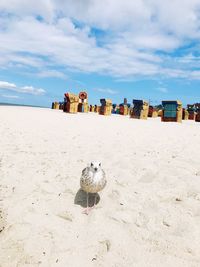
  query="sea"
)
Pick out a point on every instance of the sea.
point(21, 105)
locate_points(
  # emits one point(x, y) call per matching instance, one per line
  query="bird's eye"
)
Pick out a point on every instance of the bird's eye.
point(92, 164)
point(99, 164)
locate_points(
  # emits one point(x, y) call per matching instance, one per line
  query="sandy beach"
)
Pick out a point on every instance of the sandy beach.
point(148, 214)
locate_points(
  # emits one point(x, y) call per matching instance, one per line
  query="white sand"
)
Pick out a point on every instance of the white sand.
point(149, 212)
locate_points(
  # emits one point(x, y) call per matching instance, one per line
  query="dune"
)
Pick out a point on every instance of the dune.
point(147, 215)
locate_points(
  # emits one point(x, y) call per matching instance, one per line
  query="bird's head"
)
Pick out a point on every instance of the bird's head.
point(95, 166)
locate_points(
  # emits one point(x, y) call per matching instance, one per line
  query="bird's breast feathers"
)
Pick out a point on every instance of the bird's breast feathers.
point(92, 181)
point(95, 176)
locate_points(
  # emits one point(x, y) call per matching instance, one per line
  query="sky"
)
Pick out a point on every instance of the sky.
point(138, 49)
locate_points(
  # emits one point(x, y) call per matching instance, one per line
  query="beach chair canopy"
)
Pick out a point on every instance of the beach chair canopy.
point(83, 95)
point(105, 102)
point(140, 104)
point(191, 107)
point(71, 97)
point(159, 107)
point(174, 102)
point(197, 106)
point(137, 102)
point(170, 108)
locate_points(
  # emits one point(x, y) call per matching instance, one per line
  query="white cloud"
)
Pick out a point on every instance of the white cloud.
point(52, 73)
point(23, 8)
point(107, 91)
point(31, 90)
point(11, 96)
point(25, 89)
point(195, 75)
point(180, 17)
point(7, 86)
point(134, 37)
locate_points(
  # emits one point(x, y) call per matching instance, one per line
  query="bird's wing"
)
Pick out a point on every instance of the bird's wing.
point(84, 171)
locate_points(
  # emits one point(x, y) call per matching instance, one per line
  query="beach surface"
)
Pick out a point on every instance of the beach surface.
point(147, 215)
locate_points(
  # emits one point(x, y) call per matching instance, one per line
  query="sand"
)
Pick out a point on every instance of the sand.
point(148, 214)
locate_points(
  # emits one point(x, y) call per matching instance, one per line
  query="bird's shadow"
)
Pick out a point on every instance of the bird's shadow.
point(81, 198)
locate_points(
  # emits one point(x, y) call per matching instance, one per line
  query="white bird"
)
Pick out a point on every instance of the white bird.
point(93, 180)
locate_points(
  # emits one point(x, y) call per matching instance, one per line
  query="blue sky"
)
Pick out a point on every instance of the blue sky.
point(111, 48)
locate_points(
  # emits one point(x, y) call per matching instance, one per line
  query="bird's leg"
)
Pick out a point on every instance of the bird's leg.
point(87, 199)
point(95, 201)
point(87, 210)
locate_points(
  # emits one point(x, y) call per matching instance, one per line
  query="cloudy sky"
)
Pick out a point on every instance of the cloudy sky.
point(143, 49)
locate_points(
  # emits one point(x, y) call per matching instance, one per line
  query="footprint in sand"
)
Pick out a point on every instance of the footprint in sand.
point(120, 183)
point(104, 248)
point(28, 260)
point(194, 195)
point(122, 217)
point(141, 220)
point(147, 177)
point(2, 221)
point(65, 216)
point(115, 194)
point(105, 245)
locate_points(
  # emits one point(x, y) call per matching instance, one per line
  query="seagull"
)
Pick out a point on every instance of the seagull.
point(93, 180)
